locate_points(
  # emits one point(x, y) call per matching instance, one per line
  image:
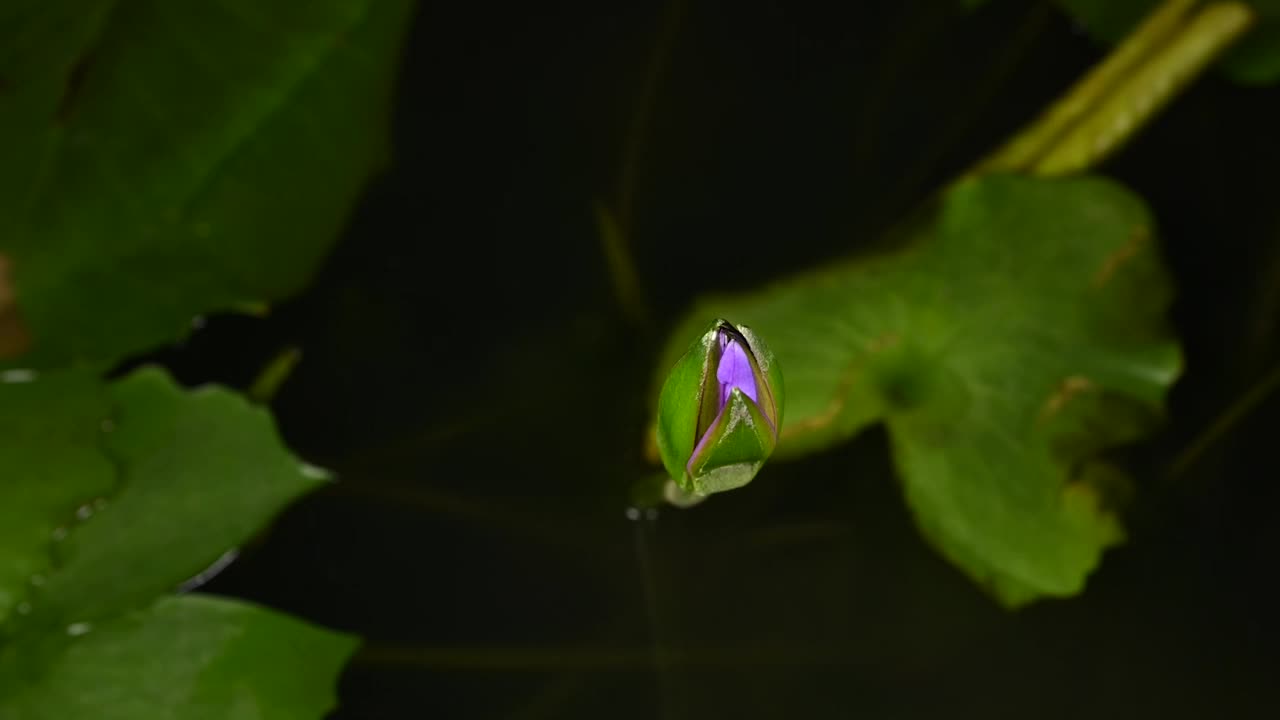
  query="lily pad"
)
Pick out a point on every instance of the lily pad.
point(51, 466)
point(166, 161)
point(200, 472)
point(193, 657)
point(114, 495)
point(1019, 331)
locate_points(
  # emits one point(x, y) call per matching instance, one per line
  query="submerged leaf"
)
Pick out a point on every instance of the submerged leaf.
point(1019, 332)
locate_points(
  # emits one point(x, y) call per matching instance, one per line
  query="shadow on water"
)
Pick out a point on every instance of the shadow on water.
point(467, 373)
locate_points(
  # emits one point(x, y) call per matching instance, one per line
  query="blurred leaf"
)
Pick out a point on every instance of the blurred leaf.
point(1018, 333)
point(1255, 60)
point(150, 484)
point(192, 657)
point(201, 471)
point(50, 465)
point(165, 161)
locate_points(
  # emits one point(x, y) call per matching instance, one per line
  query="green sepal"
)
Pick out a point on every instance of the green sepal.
point(680, 404)
point(734, 449)
point(768, 377)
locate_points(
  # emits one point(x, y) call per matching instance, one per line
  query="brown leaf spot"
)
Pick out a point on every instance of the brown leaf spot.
point(651, 453)
point(838, 401)
point(71, 91)
point(1070, 387)
point(1081, 495)
point(828, 414)
point(1082, 490)
point(1084, 498)
point(1139, 237)
point(14, 339)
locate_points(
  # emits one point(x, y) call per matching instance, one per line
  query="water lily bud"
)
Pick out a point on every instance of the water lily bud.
point(720, 411)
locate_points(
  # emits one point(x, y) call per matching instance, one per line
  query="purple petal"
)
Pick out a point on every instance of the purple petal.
point(734, 370)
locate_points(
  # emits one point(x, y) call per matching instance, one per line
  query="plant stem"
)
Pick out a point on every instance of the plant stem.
point(621, 264)
point(544, 659)
point(615, 225)
point(985, 89)
point(1123, 93)
point(1226, 420)
point(270, 378)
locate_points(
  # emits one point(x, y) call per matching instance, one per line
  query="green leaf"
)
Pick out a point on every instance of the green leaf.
point(51, 465)
point(146, 485)
point(1255, 60)
point(1018, 333)
point(192, 657)
point(201, 471)
point(165, 161)
point(680, 406)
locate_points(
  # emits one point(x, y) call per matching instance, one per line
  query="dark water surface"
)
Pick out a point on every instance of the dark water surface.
point(470, 376)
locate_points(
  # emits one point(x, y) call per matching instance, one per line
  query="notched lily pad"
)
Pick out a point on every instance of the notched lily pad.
point(1019, 333)
point(114, 495)
point(200, 472)
point(14, 339)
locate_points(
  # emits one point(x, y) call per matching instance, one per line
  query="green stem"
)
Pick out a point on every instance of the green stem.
point(627, 289)
point(1123, 93)
point(615, 225)
point(987, 88)
point(638, 130)
point(270, 378)
point(526, 524)
point(1228, 419)
point(541, 659)
point(657, 490)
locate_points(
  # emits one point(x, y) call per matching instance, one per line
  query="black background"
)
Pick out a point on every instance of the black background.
point(470, 376)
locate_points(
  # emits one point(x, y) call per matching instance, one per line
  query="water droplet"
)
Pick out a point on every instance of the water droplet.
point(78, 629)
point(36, 580)
point(315, 473)
point(84, 512)
point(651, 514)
point(633, 514)
point(59, 534)
point(207, 574)
point(19, 375)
